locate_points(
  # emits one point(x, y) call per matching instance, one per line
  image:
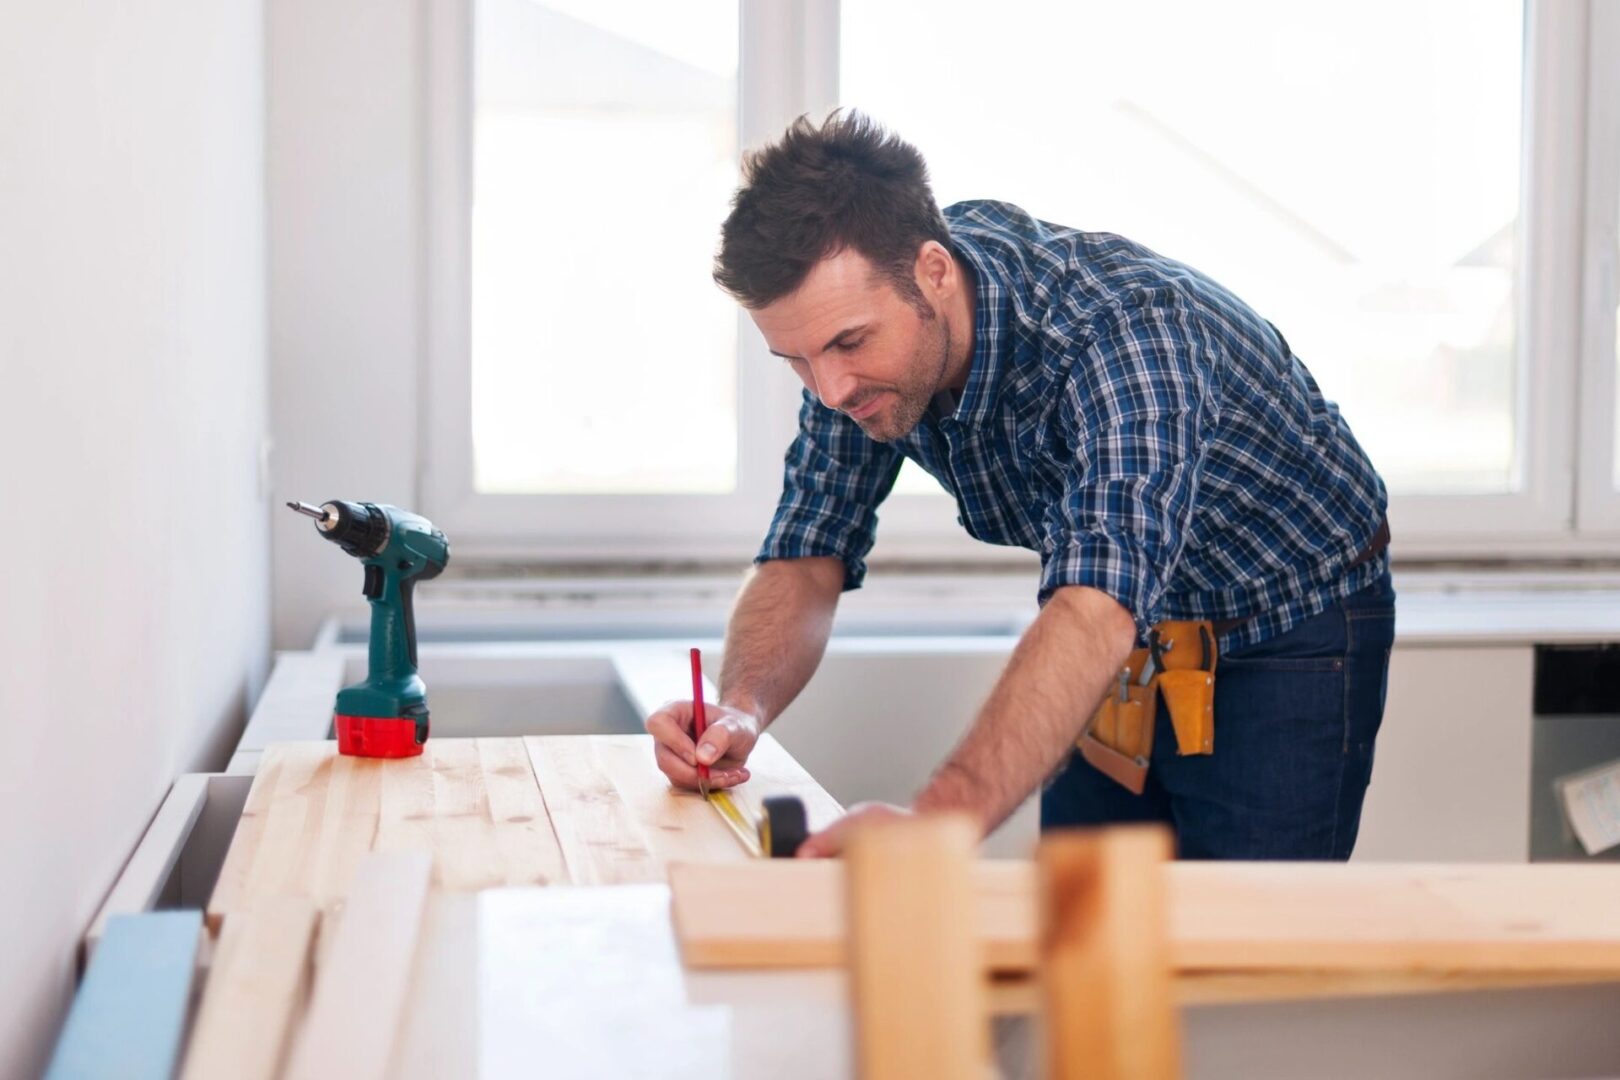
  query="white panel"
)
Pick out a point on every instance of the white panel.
point(1451, 776)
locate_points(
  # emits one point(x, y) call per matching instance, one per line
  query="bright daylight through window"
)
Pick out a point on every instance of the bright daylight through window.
point(604, 153)
point(1355, 179)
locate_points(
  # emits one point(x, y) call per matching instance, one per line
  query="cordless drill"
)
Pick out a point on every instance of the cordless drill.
point(386, 715)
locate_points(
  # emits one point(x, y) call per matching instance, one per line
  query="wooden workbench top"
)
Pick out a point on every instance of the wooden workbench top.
point(497, 978)
point(585, 810)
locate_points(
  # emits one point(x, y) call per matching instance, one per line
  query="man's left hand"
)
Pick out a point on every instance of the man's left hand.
point(829, 842)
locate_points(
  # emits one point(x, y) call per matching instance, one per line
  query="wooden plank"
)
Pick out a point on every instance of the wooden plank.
point(282, 847)
point(475, 804)
point(601, 841)
point(312, 814)
point(439, 1035)
point(363, 979)
point(618, 821)
point(1397, 916)
point(129, 1015)
point(1108, 1009)
point(1223, 916)
point(916, 974)
point(789, 913)
point(256, 989)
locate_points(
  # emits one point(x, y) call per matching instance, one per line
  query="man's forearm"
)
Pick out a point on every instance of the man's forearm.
point(778, 632)
point(1067, 659)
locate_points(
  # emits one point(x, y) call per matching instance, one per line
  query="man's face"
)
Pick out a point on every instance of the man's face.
point(858, 345)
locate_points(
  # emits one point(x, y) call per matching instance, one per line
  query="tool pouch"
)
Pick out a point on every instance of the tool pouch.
point(1119, 740)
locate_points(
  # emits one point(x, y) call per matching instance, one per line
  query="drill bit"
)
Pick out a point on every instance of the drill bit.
point(318, 513)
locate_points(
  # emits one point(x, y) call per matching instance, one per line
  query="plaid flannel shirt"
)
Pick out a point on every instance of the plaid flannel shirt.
point(1130, 420)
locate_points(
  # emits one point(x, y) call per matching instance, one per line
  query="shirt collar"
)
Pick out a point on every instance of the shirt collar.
point(992, 319)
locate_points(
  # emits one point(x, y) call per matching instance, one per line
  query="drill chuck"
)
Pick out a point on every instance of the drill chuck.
point(360, 529)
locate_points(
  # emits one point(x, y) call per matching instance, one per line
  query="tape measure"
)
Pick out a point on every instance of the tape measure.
point(776, 834)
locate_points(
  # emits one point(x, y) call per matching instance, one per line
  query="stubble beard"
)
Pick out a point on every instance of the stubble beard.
point(917, 392)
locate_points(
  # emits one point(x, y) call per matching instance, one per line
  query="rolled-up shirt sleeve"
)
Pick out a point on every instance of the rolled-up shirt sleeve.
point(833, 479)
point(1137, 412)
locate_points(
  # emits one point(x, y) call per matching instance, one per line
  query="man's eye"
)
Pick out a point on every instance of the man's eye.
point(850, 346)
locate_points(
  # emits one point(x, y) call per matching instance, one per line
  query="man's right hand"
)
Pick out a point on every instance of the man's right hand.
point(727, 741)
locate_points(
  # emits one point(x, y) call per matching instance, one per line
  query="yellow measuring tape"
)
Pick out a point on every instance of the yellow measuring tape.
point(755, 838)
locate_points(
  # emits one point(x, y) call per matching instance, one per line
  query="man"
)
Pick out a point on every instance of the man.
point(1132, 421)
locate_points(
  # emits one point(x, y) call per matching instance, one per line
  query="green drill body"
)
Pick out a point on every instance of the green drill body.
point(397, 550)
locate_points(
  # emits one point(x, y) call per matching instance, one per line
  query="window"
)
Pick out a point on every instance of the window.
point(1376, 228)
point(604, 153)
point(1400, 192)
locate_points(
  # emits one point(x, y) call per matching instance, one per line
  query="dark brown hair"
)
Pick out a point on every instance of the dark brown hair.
point(817, 191)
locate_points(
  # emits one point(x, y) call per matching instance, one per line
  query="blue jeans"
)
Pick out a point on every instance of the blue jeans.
point(1295, 722)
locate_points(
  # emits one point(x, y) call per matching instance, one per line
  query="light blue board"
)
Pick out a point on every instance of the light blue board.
point(130, 1013)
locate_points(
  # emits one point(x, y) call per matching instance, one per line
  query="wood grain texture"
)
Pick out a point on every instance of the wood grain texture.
point(1301, 917)
point(1108, 1008)
point(789, 913)
point(312, 814)
point(915, 972)
point(255, 994)
point(439, 1036)
point(619, 822)
point(363, 979)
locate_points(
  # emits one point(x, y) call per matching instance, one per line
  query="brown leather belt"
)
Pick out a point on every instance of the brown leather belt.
point(1374, 548)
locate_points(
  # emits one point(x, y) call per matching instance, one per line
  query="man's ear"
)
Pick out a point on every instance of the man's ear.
point(935, 269)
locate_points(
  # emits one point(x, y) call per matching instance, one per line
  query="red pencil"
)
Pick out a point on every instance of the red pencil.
point(699, 721)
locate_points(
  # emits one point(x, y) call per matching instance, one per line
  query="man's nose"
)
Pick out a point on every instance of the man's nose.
point(835, 388)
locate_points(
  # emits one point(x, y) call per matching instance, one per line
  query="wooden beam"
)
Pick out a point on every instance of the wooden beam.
point(916, 969)
point(1408, 918)
point(256, 991)
point(1108, 1011)
point(365, 975)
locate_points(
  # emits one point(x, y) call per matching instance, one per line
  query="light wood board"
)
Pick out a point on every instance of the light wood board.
point(1105, 955)
point(501, 811)
point(1300, 917)
point(439, 1035)
point(362, 982)
point(916, 977)
point(473, 804)
point(619, 822)
point(255, 992)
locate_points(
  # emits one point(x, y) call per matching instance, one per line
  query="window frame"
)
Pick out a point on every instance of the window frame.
point(788, 66)
point(1599, 492)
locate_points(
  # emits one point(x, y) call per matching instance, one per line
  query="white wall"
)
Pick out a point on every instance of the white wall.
point(344, 147)
point(134, 606)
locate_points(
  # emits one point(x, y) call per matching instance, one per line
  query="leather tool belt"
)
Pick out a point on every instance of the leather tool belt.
point(1179, 663)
